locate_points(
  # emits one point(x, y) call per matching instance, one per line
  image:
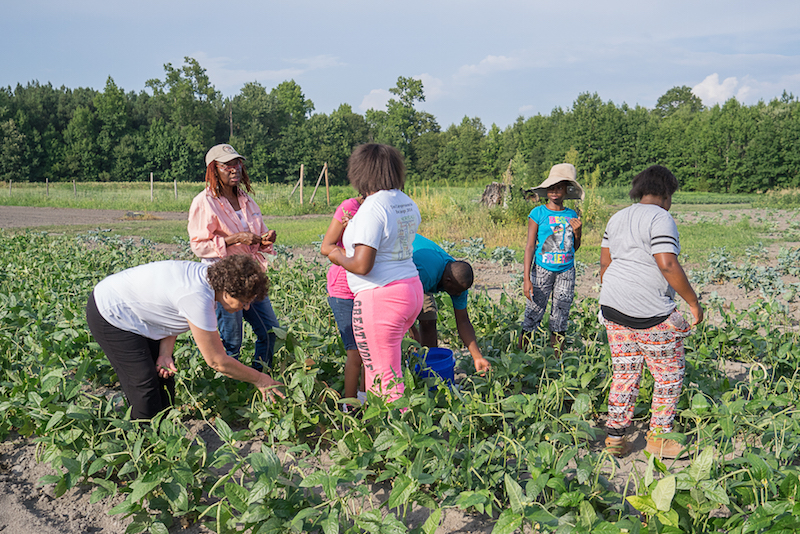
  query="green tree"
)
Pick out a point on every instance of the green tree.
point(81, 155)
point(112, 115)
point(678, 98)
point(13, 152)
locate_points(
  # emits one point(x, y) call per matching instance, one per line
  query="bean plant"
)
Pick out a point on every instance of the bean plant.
point(520, 447)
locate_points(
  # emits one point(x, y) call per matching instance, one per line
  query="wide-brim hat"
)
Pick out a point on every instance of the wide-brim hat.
point(222, 153)
point(563, 172)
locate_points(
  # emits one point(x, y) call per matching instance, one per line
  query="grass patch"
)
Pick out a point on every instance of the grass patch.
point(292, 231)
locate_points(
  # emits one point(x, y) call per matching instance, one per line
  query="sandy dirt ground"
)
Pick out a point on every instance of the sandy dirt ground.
point(27, 508)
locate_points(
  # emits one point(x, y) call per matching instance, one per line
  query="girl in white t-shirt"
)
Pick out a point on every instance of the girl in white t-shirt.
point(377, 255)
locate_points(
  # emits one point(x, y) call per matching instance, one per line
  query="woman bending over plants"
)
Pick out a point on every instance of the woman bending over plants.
point(377, 256)
point(136, 315)
point(640, 273)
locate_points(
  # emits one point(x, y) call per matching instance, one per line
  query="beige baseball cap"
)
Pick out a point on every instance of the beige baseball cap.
point(222, 153)
point(563, 172)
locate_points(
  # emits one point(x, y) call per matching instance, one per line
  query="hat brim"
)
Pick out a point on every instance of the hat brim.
point(574, 189)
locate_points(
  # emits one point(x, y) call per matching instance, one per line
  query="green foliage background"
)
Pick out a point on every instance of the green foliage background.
point(61, 134)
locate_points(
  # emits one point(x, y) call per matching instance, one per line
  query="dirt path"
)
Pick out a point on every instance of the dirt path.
point(25, 217)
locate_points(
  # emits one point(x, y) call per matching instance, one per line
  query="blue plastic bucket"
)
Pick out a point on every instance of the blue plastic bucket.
point(438, 363)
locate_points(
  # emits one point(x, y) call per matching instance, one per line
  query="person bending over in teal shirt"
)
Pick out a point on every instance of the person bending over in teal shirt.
point(439, 271)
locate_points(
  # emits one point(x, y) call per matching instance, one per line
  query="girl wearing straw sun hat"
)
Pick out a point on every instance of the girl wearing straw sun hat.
point(554, 234)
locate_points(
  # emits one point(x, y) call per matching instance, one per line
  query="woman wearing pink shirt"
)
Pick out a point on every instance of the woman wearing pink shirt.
point(340, 297)
point(224, 220)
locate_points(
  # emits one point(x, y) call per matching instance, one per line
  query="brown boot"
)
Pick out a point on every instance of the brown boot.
point(617, 445)
point(663, 448)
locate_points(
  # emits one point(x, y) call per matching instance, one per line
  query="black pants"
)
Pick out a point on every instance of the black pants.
point(134, 359)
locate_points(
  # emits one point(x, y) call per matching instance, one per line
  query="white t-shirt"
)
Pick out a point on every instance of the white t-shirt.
point(387, 221)
point(633, 283)
point(157, 300)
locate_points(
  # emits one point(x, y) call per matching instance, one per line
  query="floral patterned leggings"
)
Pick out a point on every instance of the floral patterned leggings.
point(661, 348)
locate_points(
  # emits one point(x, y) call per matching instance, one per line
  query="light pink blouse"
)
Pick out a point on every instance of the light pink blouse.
point(212, 219)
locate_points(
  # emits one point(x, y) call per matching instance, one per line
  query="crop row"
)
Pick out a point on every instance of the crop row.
point(520, 445)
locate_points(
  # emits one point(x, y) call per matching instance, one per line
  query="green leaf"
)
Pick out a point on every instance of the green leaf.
point(588, 515)
point(664, 492)
point(515, 495)
point(141, 488)
point(701, 467)
point(158, 528)
point(432, 523)
point(582, 404)
point(700, 404)
point(402, 490)
point(469, 499)
point(330, 524)
point(507, 523)
point(643, 503)
point(224, 431)
point(56, 417)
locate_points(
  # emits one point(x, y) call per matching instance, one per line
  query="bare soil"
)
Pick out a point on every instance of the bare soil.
point(27, 508)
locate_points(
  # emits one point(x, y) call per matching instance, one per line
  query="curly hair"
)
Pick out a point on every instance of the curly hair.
point(240, 276)
point(373, 167)
point(654, 180)
point(213, 181)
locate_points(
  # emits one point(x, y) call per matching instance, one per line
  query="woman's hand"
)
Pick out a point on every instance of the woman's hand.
point(269, 238)
point(165, 364)
point(269, 389)
point(243, 238)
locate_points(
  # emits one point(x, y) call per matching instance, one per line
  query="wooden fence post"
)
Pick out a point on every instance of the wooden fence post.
point(175, 183)
point(302, 167)
point(74, 188)
point(47, 187)
point(324, 167)
point(327, 186)
point(151, 187)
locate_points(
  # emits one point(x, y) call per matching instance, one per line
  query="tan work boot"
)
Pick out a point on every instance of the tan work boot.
point(617, 445)
point(663, 448)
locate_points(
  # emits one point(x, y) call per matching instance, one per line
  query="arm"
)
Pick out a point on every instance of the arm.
point(165, 365)
point(605, 261)
point(332, 236)
point(530, 250)
point(213, 352)
point(361, 262)
point(676, 278)
point(467, 334)
point(577, 230)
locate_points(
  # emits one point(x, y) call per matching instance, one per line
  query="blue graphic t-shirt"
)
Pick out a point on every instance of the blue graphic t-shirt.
point(555, 242)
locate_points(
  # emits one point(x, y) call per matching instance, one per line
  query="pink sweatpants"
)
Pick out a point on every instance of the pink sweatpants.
point(381, 317)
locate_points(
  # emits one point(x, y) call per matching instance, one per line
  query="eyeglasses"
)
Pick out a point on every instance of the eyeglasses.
point(230, 167)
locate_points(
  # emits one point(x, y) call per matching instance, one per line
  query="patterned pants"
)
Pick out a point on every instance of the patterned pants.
point(661, 348)
point(561, 286)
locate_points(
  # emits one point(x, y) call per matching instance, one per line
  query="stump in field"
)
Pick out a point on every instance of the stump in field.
point(493, 194)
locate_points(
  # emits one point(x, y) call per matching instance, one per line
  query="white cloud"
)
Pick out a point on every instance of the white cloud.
point(527, 109)
point(376, 99)
point(711, 91)
point(488, 65)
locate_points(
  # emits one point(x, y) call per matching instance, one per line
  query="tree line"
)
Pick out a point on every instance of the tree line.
point(61, 134)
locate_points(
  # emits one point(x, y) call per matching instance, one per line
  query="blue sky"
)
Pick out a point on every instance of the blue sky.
point(493, 60)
